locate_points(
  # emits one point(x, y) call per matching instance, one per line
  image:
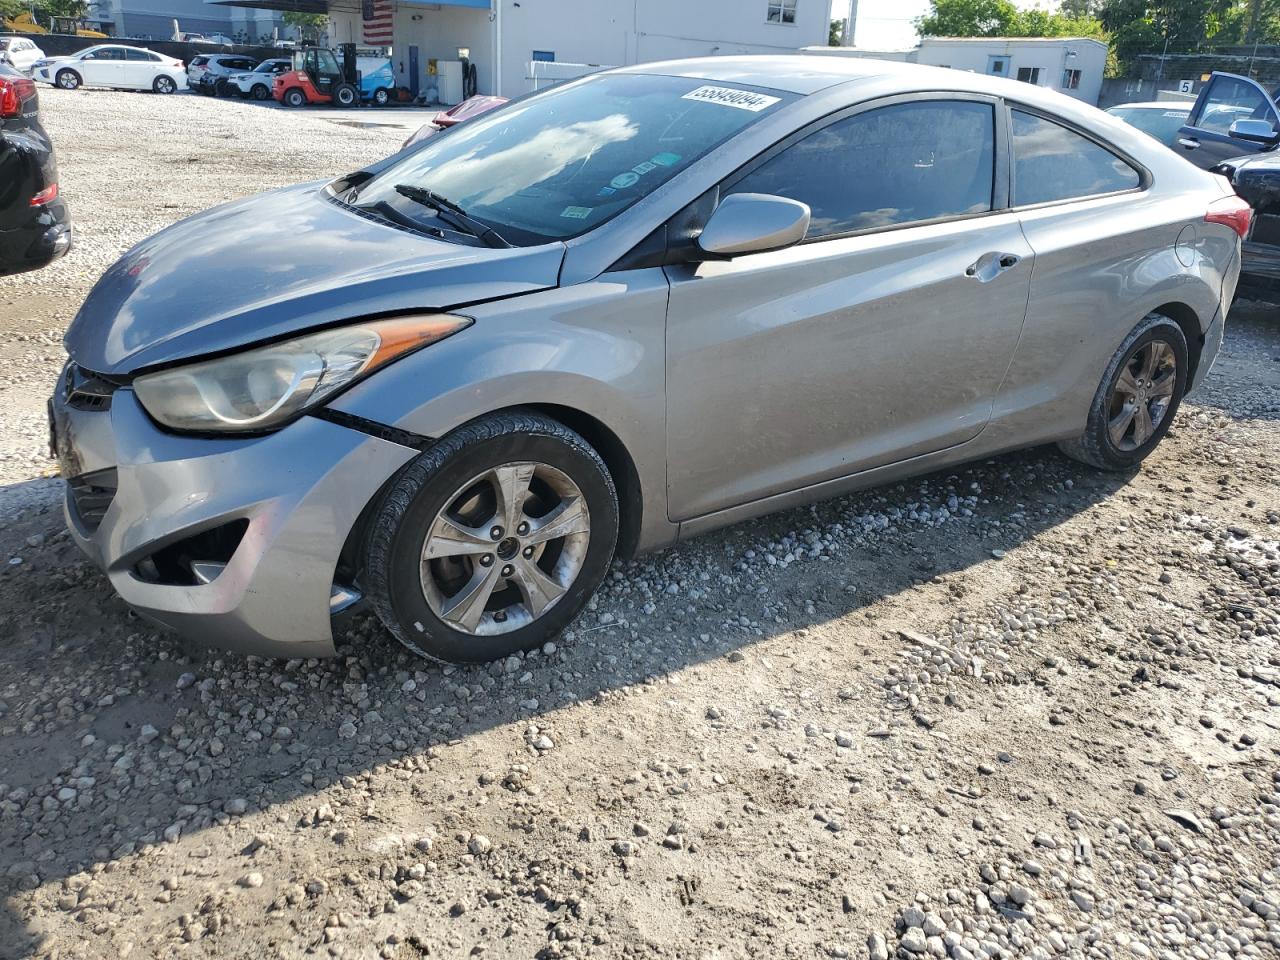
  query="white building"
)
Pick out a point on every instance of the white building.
point(1071, 65)
point(502, 37)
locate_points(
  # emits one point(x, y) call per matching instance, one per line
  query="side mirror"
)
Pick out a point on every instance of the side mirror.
point(753, 223)
point(1254, 131)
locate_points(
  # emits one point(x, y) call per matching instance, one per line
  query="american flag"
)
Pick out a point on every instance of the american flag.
point(377, 16)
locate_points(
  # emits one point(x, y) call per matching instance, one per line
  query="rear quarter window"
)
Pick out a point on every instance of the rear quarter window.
point(1052, 162)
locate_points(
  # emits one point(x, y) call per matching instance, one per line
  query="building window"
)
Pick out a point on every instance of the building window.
point(544, 56)
point(1029, 74)
point(1070, 79)
point(998, 66)
point(782, 11)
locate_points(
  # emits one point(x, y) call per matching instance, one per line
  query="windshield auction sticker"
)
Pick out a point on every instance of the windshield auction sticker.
point(728, 97)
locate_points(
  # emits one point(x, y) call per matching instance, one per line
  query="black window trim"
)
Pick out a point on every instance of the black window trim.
point(1001, 177)
point(1144, 174)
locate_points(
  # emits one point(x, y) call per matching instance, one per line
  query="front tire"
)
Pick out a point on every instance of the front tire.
point(164, 85)
point(1137, 399)
point(68, 80)
point(260, 92)
point(345, 95)
point(492, 540)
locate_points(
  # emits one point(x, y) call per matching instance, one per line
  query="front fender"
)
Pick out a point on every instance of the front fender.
point(596, 347)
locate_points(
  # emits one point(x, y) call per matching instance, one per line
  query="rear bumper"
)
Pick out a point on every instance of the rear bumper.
point(1259, 267)
point(38, 242)
point(137, 494)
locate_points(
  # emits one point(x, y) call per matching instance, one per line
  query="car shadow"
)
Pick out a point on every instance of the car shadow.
point(107, 673)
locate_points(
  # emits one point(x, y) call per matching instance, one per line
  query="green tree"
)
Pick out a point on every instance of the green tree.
point(834, 33)
point(310, 25)
point(1000, 18)
point(76, 9)
point(968, 18)
point(11, 8)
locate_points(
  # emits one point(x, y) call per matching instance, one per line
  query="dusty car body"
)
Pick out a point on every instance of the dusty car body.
point(672, 302)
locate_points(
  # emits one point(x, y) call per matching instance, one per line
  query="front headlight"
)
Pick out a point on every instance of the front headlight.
point(266, 387)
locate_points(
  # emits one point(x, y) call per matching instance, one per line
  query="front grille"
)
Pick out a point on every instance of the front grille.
point(91, 494)
point(85, 390)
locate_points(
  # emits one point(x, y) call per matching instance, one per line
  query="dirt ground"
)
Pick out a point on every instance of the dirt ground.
point(1016, 710)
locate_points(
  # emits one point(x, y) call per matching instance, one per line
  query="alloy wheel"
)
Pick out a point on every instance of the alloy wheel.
point(1141, 395)
point(505, 548)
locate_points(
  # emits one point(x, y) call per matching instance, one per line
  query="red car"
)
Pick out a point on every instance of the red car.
point(471, 107)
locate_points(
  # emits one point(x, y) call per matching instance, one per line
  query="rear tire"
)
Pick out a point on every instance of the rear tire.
point(345, 95)
point(382, 96)
point(68, 79)
point(164, 85)
point(1137, 399)
point(533, 487)
point(293, 97)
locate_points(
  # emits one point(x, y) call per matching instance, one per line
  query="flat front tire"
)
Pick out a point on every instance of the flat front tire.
point(491, 541)
point(1137, 399)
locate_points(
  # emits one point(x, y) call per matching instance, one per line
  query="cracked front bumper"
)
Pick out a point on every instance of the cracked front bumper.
point(300, 490)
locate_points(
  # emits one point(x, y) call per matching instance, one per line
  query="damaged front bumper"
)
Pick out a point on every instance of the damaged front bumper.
point(234, 542)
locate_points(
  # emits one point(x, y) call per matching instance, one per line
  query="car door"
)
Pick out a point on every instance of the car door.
point(103, 67)
point(1206, 140)
point(1089, 220)
point(883, 336)
point(139, 69)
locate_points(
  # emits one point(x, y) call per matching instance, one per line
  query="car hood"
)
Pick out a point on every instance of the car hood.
point(275, 264)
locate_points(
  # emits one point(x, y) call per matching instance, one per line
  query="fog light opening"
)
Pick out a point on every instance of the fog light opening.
point(194, 561)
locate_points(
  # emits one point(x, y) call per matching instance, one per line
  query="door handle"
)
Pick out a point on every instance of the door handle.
point(990, 265)
point(1188, 143)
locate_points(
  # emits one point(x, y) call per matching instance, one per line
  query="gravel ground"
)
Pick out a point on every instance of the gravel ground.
point(1016, 710)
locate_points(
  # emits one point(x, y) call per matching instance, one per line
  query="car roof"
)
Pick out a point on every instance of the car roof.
point(807, 74)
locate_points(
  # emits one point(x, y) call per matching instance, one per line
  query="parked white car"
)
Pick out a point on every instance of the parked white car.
point(256, 83)
point(19, 53)
point(108, 65)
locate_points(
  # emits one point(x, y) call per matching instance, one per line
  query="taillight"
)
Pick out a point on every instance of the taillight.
point(1233, 212)
point(46, 195)
point(13, 90)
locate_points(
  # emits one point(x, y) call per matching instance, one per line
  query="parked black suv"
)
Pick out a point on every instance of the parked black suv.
point(35, 226)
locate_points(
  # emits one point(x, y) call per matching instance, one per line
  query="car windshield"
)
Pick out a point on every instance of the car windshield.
point(562, 162)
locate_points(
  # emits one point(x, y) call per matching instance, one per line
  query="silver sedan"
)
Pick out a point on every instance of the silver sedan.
point(613, 315)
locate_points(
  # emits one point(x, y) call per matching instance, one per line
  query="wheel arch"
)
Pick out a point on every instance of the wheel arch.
point(617, 459)
point(626, 478)
point(1192, 329)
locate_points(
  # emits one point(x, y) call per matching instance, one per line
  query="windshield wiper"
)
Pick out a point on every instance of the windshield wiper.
point(388, 212)
point(451, 213)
